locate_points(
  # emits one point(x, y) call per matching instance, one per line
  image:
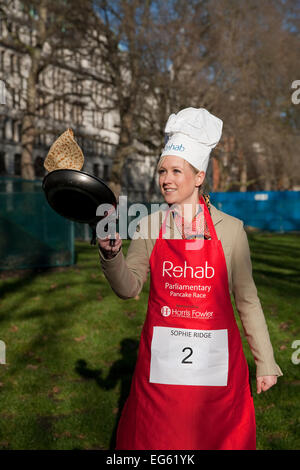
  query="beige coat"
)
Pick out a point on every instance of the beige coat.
point(127, 277)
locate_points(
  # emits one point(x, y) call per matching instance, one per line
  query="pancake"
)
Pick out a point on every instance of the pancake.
point(64, 153)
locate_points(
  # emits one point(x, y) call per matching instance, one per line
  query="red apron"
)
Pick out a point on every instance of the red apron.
point(190, 389)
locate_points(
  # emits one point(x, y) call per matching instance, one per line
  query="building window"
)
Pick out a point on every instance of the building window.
point(8, 129)
point(12, 63)
point(2, 129)
point(62, 110)
point(17, 164)
point(19, 132)
point(104, 149)
point(96, 169)
point(39, 167)
point(14, 131)
point(2, 59)
point(2, 164)
point(105, 172)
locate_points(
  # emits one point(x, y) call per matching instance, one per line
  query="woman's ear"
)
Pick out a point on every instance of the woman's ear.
point(200, 178)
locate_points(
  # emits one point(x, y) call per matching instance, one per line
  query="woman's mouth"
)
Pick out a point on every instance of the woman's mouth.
point(169, 190)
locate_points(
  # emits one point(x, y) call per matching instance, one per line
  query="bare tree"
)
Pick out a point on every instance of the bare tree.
point(237, 59)
point(38, 29)
point(155, 60)
point(257, 49)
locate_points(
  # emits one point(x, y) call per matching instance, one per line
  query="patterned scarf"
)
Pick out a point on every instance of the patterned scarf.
point(195, 228)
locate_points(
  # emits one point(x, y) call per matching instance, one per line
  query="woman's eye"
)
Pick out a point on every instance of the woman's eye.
point(160, 172)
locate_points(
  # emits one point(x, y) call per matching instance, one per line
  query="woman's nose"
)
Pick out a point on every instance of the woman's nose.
point(167, 178)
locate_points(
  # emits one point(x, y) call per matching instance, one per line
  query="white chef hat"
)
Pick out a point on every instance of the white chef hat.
point(192, 134)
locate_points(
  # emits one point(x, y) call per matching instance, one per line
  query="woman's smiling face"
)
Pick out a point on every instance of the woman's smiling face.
point(178, 182)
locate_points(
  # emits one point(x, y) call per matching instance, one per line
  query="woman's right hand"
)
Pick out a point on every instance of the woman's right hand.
point(108, 250)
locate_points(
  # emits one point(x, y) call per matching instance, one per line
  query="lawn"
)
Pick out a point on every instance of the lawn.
point(71, 346)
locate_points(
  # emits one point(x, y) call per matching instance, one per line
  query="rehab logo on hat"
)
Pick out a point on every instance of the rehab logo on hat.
point(176, 148)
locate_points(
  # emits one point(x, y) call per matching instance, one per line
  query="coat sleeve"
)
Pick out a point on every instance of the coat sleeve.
point(127, 276)
point(249, 307)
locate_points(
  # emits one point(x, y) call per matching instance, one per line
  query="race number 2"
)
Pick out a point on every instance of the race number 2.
point(185, 361)
point(189, 357)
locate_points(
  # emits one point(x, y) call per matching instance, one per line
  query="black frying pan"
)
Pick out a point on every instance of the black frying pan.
point(76, 195)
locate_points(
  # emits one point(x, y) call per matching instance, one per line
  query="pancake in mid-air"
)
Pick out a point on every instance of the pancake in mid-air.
point(64, 153)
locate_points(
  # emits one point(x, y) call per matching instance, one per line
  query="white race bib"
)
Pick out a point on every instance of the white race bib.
point(189, 357)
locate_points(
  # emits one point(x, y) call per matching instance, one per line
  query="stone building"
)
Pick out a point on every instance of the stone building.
point(67, 97)
point(62, 103)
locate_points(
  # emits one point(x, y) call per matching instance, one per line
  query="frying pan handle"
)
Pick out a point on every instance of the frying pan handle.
point(94, 237)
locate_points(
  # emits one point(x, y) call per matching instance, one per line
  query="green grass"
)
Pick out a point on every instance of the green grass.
point(72, 344)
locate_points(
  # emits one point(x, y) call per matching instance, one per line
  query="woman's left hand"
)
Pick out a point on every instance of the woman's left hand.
point(265, 382)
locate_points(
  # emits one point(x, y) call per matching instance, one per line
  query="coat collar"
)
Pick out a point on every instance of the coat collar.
point(216, 216)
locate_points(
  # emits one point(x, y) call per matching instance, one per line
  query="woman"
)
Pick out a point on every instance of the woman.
point(191, 388)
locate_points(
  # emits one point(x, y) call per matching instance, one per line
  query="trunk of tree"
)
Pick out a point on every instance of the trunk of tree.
point(28, 129)
point(243, 178)
point(27, 142)
point(123, 150)
point(243, 171)
point(28, 121)
point(215, 174)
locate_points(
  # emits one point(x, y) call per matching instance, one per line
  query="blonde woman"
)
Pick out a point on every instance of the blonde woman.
point(191, 388)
